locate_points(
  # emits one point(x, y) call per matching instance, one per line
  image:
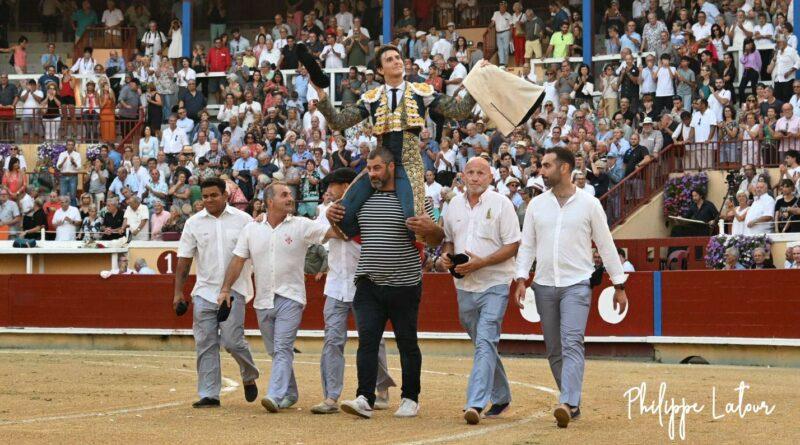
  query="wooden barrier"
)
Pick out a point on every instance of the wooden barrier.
point(759, 303)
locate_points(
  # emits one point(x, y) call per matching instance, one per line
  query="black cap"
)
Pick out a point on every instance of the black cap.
point(344, 175)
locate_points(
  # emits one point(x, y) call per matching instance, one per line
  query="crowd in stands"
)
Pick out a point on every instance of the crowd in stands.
point(676, 82)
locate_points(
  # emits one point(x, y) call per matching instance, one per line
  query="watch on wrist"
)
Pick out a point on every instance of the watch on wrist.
point(619, 286)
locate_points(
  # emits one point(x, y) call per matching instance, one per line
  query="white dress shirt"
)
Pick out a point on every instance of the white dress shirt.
point(135, 217)
point(279, 257)
point(172, 141)
point(560, 239)
point(342, 262)
point(785, 61)
point(482, 230)
point(333, 56)
point(211, 242)
point(763, 205)
point(459, 72)
point(83, 67)
point(64, 164)
point(65, 230)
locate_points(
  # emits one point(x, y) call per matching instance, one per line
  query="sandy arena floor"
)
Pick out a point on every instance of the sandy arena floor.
point(65, 397)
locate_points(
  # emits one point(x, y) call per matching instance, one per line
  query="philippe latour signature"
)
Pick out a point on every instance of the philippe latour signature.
point(678, 410)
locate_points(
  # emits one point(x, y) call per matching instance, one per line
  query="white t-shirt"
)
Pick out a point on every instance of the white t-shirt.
point(135, 217)
point(184, 76)
point(664, 85)
point(762, 206)
point(716, 106)
point(502, 21)
point(269, 56)
point(702, 123)
point(31, 103)
point(443, 47)
point(333, 55)
point(459, 72)
point(112, 18)
point(434, 191)
point(65, 230)
point(648, 81)
point(701, 31)
point(67, 166)
point(249, 111)
point(766, 30)
point(450, 156)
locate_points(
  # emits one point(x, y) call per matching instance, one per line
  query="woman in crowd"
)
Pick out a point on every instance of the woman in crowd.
point(751, 133)
point(67, 97)
point(705, 81)
point(293, 121)
point(51, 113)
point(15, 180)
point(108, 105)
point(256, 85)
point(148, 144)
point(200, 66)
point(84, 203)
point(98, 181)
point(19, 56)
point(91, 225)
point(175, 50)
point(180, 192)
point(309, 190)
point(729, 74)
point(166, 87)
point(731, 147)
point(155, 110)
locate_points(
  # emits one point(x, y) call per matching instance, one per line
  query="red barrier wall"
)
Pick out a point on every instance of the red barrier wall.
point(753, 303)
point(694, 303)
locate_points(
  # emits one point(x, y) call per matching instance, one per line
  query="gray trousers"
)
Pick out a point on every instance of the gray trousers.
point(279, 327)
point(503, 44)
point(332, 361)
point(208, 334)
point(564, 311)
point(481, 315)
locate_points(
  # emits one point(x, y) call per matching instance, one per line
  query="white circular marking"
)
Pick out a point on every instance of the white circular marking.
point(608, 309)
point(528, 310)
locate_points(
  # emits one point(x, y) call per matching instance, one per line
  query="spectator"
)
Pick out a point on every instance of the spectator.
point(83, 18)
point(66, 220)
point(122, 182)
point(732, 259)
point(627, 267)
point(761, 214)
point(10, 216)
point(136, 219)
point(783, 68)
point(141, 268)
point(112, 220)
point(502, 20)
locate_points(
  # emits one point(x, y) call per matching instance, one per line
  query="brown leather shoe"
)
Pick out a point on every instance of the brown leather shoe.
point(562, 415)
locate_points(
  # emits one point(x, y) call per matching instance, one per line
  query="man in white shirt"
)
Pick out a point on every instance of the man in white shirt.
point(333, 54)
point(278, 248)
point(66, 220)
point(344, 19)
point(762, 212)
point(68, 165)
point(84, 65)
point(15, 152)
point(482, 225)
point(173, 138)
point(137, 219)
point(702, 29)
point(357, 24)
point(704, 122)
point(787, 129)
point(269, 54)
point(112, 16)
point(10, 215)
point(424, 63)
point(433, 190)
point(248, 109)
point(794, 101)
point(202, 146)
point(501, 20)
point(560, 226)
point(340, 289)
point(210, 236)
point(785, 63)
point(238, 44)
point(124, 180)
point(153, 40)
point(456, 77)
point(442, 47)
point(313, 112)
point(720, 97)
point(580, 182)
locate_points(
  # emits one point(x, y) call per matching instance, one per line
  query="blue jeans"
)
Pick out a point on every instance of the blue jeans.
point(169, 101)
point(481, 315)
point(68, 185)
point(503, 42)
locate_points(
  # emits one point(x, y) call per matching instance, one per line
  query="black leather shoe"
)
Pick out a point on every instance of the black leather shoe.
point(496, 410)
point(575, 413)
point(250, 391)
point(206, 402)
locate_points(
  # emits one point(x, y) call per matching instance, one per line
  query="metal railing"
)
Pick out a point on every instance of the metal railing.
point(639, 187)
point(100, 37)
point(762, 152)
point(85, 125)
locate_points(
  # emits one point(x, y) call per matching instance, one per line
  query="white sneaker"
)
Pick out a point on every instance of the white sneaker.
point(408, 408)
point(359, 407)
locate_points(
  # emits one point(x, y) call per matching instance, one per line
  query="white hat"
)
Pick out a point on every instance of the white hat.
point(369, 72)
point(511, 179)
point(647, 121)
point(421, 33)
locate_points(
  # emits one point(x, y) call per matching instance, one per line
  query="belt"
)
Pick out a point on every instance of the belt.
point(507, 30)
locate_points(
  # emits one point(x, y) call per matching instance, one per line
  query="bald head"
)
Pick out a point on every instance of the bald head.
point(478, 176)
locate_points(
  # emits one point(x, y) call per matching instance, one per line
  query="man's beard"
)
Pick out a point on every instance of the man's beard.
point(377, 183)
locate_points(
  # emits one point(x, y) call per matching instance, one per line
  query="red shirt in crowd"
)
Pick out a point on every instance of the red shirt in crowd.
point(219, 59)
